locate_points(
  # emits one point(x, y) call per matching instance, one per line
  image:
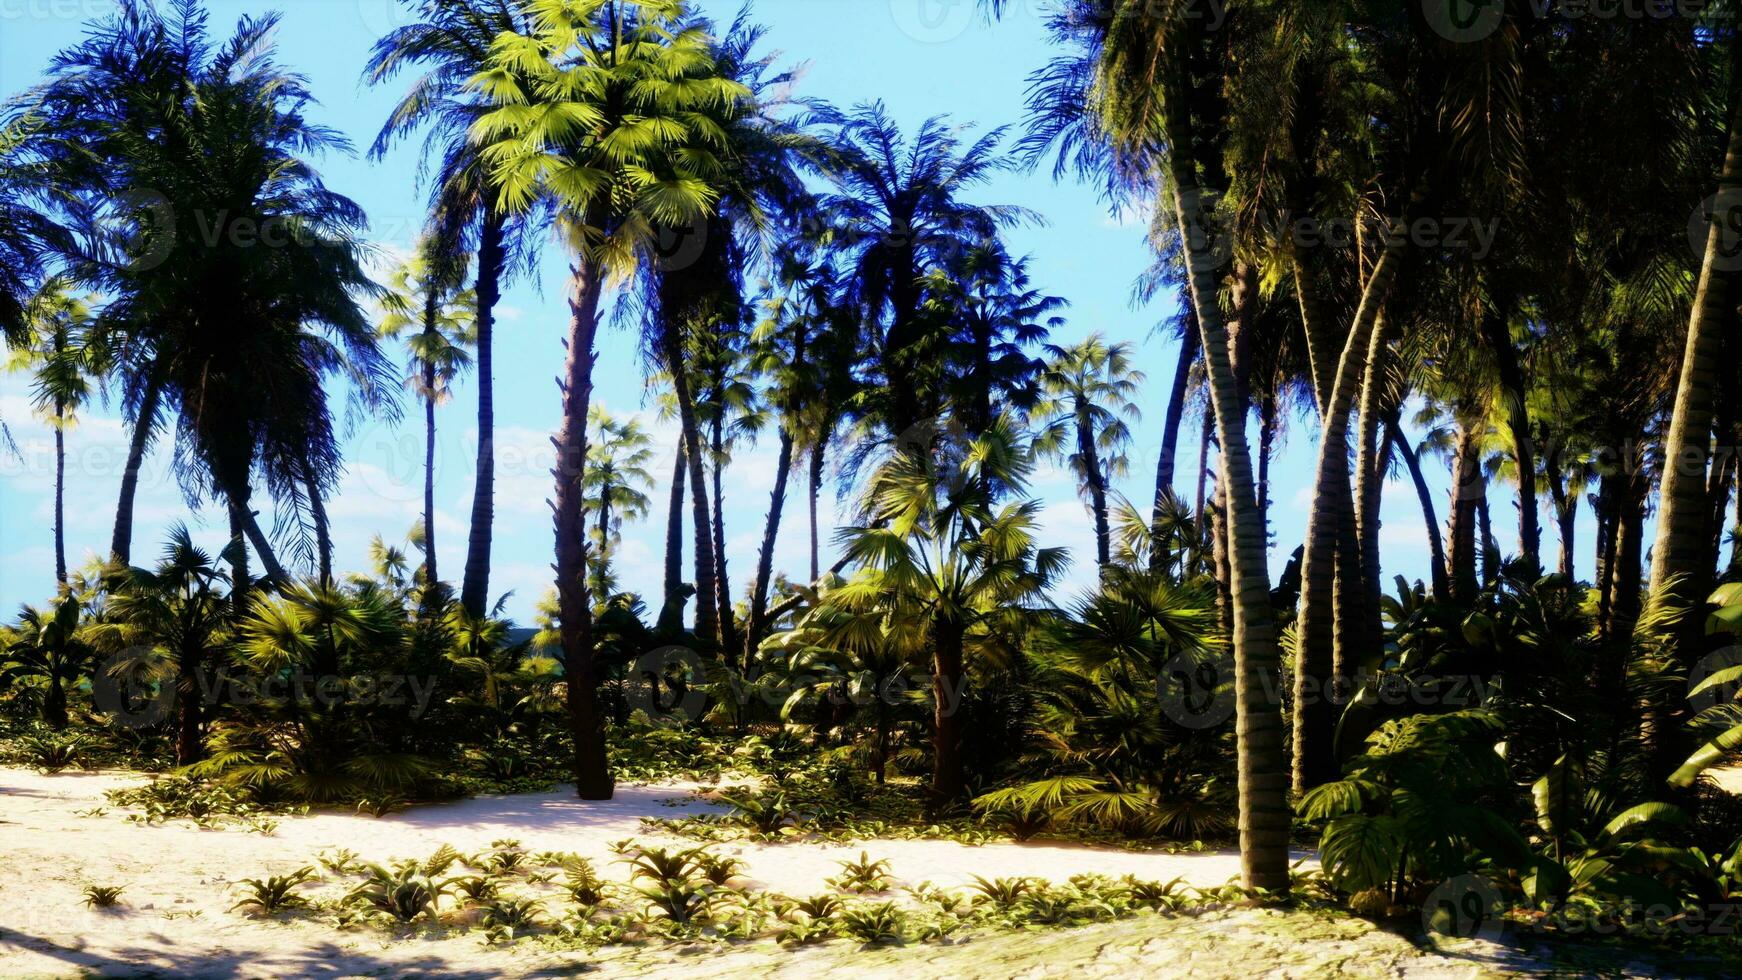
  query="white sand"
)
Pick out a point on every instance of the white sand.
point(179, 880)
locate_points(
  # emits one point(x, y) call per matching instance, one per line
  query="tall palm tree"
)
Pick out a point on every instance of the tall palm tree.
point(616, 485)
point(1089, 390)
point(246, 311)
point(451, 42)
point(897, 211)
point(589, 105)
point(425, 305)
point(1122, 91)
point(65, 356)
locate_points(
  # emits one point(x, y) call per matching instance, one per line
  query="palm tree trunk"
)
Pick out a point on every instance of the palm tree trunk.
point(1264, 813)
point(60, 498)
point(54, 702)
point(1468, 488)
point(707, 609)
point(1176, 410)
point(240, 579)
point(1267, 426)
point(1625, 601)
point(586, 723)
point(1424, 496)
point(189, 745)
point(674, 528)
point(323, 532)
point(948, 781)
point(816, 487)
point(1512, 388)
point(1317, 682)
point(753, 630)
point(1678, 575)
point(1092, 478)
point(475, 587)
point(1200, 515)
point(429, 450)
point(722, 585)
point(1369, 634)
point(1565, 507)
point(1607, 506)
point(121, 544)
point(1490, 547)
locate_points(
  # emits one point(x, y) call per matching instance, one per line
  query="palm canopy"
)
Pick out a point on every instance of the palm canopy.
point(424, 304)
point(63, 352)
point(586, 105)
point(243, 306)
point(1089, 391)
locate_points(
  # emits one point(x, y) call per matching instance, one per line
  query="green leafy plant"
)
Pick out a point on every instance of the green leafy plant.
point(863, 875)
point(103, 896)
point(403, 891)
point(881, 924)
point(266, 896)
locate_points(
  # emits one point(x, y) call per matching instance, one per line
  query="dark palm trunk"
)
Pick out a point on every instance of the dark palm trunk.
point(189, 745)
point(240, 579)
point(1267, 425)
point(755, 628)
point(1094, 480)
point(674, 527)
point(475, 588)
point(1628, 573)
point(1607, 506)
point(60, 497)
point(815, 488)
point(707, 609)
point(323, 533)
point(1566, 508)
point(949, 783)
point(586, 722)
point(54, 703)
point(1498, 336)
point(429, 450)
point(1176, 408)
point(1200, 513)
point(1424, 496)
point(121, 544)
point(1369, 635)
point(722, 585)
point(1468, 489)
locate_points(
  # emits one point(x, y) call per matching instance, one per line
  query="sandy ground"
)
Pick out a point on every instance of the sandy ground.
point(180, 881)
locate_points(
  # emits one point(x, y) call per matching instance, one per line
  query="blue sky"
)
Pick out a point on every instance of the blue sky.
point(921, 57)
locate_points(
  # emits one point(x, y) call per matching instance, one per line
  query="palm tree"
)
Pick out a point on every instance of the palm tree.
point(246, 322)
point(1680, 564)
point(897, 211)
point(1089, 389)
point(424, 294)
point(940, 556)
point(64, 354)
point(452, 42)
point(1124, 91)
point(180, 611)
point(588, 103)
point(51, 644)
point(616, 485)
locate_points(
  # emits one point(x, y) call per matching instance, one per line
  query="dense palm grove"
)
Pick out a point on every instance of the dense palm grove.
point(1423, 248)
